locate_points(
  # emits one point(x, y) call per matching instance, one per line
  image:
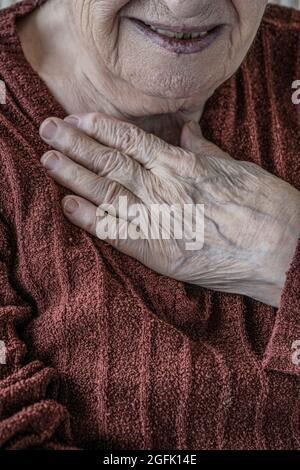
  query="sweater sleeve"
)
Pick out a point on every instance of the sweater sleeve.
point(30, 415)
point(283, 350)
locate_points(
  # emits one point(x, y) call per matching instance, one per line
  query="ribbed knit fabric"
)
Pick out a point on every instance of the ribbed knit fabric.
point(103, 352)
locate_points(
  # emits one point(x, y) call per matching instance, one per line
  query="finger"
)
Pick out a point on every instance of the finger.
point(89, 217)
point(145, 148)
point(106, 162)
point(81, 213)
point(87, 184)
point(78, 146)
point(75, 144)
point(191, 137)
point(105, 225)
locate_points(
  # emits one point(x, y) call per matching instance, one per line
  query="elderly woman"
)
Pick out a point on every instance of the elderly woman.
point(112, 338)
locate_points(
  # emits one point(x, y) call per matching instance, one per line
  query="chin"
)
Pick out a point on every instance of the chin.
point(167, 86)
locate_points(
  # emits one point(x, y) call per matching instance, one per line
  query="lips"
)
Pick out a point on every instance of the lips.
point(178, 34)
point(181, 40)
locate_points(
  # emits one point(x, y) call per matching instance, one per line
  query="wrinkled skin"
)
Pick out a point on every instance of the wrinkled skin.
point(106, 65)
point(252, 219)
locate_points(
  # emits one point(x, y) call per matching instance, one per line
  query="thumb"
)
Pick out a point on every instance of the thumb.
point(191, 137)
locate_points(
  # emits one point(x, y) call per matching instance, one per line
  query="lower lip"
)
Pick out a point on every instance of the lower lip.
point(179, 46)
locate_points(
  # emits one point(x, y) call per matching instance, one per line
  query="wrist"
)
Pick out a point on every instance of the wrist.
point(279, 255)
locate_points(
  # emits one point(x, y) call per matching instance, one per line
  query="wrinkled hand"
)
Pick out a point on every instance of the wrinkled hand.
point(251, 218)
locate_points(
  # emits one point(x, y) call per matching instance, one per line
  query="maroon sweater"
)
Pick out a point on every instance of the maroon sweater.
point(103, 352)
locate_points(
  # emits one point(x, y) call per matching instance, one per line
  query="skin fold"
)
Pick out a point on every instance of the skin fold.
point(134, 133)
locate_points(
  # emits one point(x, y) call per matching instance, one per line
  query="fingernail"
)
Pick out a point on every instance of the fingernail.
point(50, 161)
point(48, 130)
point(70, 205)
point(72, 120)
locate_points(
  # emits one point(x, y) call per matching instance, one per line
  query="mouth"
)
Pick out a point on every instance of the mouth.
point(179, 39)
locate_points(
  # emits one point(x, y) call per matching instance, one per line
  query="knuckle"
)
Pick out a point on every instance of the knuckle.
point(123, 136)
point(110, 197)
point(92, 121)
point(74, 143)
point(111, 161)
point(123, 165)
point(128, 136)
point(118, 160)
point(112, 191)
point(98, 161)
point(96, 190)
point(77, 175)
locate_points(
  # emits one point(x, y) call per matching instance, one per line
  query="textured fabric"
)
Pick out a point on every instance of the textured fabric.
point(103, 352)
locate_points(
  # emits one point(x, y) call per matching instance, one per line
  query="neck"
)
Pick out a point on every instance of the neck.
point(42, 34)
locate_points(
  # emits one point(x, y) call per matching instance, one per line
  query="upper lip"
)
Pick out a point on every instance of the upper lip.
point(179, 28)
